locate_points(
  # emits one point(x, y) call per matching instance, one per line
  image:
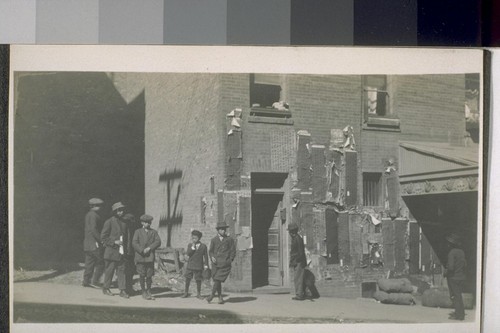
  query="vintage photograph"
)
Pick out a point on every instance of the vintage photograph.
point(249, 197)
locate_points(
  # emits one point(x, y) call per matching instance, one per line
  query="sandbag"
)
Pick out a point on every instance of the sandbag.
point(440, 298)
point(395, 285)
point(394, 298)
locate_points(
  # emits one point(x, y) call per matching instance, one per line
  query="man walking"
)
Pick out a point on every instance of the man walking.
point(222, 252)
point(115, 238)
point(94, 264)
point(297, 261)
point(455, 275)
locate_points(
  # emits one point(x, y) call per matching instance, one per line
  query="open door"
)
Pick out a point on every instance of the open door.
point(275, 262)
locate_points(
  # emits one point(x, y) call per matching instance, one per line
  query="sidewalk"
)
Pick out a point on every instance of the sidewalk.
point(253, 308)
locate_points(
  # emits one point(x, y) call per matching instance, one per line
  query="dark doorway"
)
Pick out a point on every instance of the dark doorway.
point(267, 253)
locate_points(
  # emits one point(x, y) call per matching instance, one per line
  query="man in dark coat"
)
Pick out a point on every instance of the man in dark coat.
point(115, 238)
point(145, 242)
point(94, 263)
point(297, 261)
point(455, 275)
point(130, 269)
point(198, 260)
point(222, 252)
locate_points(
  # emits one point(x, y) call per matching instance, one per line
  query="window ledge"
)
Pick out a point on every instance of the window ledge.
point(270, 112)
point(270, 120)
point(382, 124)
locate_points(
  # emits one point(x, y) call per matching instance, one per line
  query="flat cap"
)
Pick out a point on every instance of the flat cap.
point(95, 201)
point(146, 218)
point(117, 205)
point(196, 233)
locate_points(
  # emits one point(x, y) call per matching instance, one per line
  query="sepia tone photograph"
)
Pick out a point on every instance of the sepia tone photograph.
point(247, 197)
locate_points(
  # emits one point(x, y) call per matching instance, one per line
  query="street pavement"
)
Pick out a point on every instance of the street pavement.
point(251, 307)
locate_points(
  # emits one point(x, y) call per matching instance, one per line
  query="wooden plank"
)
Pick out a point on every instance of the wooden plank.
point(343, 238)
point(303, 162)
point(351, 178)
point(388, 243)
point(414, 264)
point(319, 181)
point(332, 237)
point(269, 191)
point(400, 248)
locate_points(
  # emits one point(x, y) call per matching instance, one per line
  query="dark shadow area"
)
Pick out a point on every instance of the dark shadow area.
point(50, 275)
point(441, 214)
point(54, 313)
point(168, 295)
point(75, 138)
point(160, 290)
point(240, 299)
point(171, 179)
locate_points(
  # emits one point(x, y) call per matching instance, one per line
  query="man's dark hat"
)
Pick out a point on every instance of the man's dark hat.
point(95, 201)
point(129, 217)
point(293, 227)
point(221, 225)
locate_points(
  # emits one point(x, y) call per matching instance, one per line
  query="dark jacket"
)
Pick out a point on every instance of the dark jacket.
point(111, 231)
point(143, 239)
point(297, 251)
point(93, 223)
point(455, 267)
point(197, 258)
point(223, 251)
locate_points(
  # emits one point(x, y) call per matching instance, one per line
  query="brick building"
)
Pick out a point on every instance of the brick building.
point(215, 148)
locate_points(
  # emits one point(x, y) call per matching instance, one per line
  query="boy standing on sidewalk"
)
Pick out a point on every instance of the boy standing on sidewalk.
point(145, 242)
point(222, 253)
point(198, 260)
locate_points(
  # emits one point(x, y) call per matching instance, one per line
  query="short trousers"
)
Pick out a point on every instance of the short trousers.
point(146, 269)
point(193, 272)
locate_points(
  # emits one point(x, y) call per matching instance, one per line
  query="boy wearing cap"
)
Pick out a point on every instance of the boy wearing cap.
point(455, 275)
point(198, 260)
point(115, 238)
point(297, 261)
point(222, 253)
point(145, 242)
point(94, 263)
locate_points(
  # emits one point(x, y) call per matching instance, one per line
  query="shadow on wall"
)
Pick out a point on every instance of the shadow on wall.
point(172, 181)
point(75, 138)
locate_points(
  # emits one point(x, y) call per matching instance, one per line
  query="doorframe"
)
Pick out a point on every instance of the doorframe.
point(284, 238)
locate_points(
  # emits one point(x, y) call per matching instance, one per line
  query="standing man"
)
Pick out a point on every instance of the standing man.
point(297, 261)
point(92, 244)
point(222, 253)
point(455, 275)
point(145, 242)
point(114, 236)
point(130, 268)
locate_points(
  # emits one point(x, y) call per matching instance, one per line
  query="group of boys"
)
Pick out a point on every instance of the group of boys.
point(117, 246)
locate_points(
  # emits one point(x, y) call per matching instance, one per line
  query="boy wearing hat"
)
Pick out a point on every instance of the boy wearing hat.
point(297, 261)
point(94, 263)
point(145, 242)
point(222, 253)
point(198, 260)
point(115, 238)
point(455, 275)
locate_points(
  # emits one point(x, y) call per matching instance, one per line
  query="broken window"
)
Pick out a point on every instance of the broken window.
point(375, 95)
point(265, 90)
point(372, 188)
